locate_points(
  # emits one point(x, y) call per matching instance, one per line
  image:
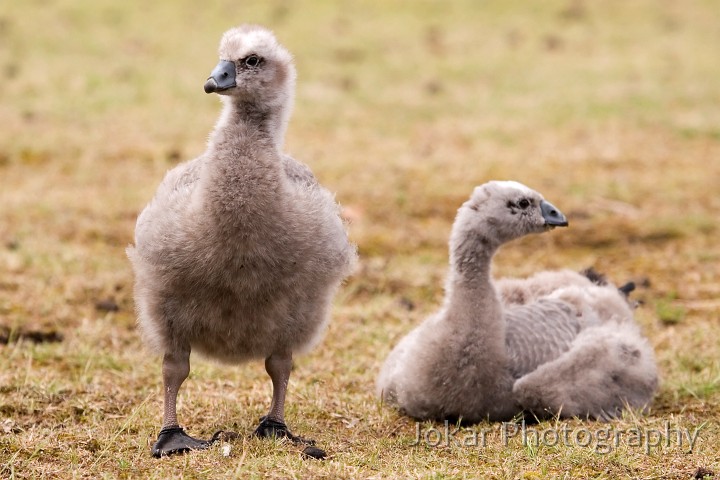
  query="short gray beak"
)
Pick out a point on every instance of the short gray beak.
point(221, 78)
point(552, 215)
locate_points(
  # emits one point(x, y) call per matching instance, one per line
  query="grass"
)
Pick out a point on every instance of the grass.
point(609, 110)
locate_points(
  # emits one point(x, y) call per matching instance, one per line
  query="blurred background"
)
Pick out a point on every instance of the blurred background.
point(609, 109)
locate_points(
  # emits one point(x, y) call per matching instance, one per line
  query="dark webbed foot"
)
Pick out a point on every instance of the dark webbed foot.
point(269, 428)
point(174, 440)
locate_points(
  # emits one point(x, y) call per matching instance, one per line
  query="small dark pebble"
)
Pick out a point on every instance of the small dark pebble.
point(314, 452)
point(553, 42)
point(107, 305)
point(433, 87)
point(407, 304)
point(703, 472)
point(12, 244)
point(36, 336)
point(224, 436)
point(173, 155)
point(50, 336)
point(594, 276)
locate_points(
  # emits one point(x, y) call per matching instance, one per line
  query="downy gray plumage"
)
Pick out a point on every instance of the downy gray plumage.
point(568, 347)
point(241, 251)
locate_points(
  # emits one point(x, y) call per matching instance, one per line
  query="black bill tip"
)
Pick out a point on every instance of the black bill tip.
point(552, 215)
point(221, 78)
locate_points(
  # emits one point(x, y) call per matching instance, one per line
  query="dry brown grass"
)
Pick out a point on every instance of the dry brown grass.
point(610, 110)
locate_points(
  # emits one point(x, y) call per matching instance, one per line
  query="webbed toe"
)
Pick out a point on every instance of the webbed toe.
point(174, 440)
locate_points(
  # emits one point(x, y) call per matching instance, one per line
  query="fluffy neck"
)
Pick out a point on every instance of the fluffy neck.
point(472, 302)
point(241, 117)
point(475, 317)
point(469, 281)
point(243, 180)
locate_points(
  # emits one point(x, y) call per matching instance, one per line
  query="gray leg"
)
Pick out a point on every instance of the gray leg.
point(175, 369)
point(172, 438)
point(278, 366)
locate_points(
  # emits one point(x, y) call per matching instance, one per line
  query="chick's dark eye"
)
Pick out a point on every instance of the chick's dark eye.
point(252, 61)
point(524, 203)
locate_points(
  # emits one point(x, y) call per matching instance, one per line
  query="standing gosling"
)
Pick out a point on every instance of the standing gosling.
point(240, 252)
point(575, 352)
